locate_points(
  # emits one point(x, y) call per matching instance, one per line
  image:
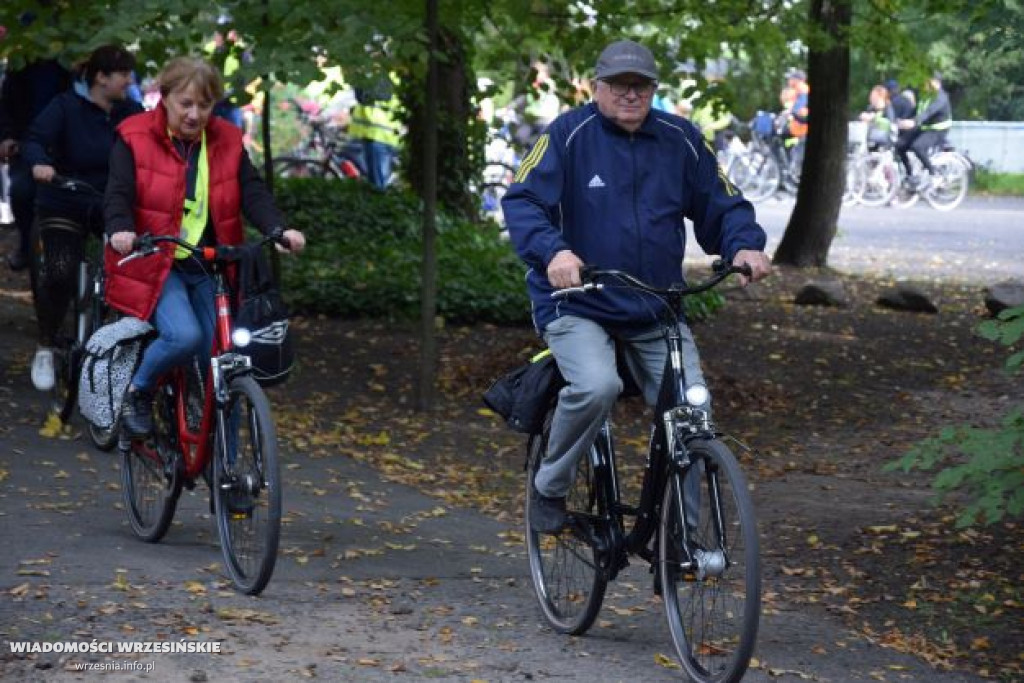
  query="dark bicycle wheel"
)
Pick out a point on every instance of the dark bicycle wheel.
point(298, 167)
point(713, 603)
point(151, 472)
point(567, 578)
point(247, 486)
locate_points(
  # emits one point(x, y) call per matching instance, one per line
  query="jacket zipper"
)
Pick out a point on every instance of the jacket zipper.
point(636, 217)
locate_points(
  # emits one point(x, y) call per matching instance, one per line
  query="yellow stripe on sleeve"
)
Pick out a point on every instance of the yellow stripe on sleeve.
point(532, 159)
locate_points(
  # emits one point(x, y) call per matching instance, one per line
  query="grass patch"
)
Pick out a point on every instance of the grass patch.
point(987, 182)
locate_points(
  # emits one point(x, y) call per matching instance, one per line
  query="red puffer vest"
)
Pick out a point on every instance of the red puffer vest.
point(134, 288)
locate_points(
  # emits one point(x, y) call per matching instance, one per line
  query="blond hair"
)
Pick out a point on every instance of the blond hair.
point(183, 72)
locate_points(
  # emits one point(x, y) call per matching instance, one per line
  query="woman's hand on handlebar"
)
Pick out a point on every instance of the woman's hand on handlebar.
point(758, 262)
point(295, 239)
point(43, 173)
point(123, 242)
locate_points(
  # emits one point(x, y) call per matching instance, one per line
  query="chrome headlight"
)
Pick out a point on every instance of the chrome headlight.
point(241, 337)
point(697, 395)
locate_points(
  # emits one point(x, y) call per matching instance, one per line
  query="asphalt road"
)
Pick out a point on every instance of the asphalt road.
point(982, 241)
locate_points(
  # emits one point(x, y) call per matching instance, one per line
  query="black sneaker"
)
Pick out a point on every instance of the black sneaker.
point(137, 416)
point(547, 514)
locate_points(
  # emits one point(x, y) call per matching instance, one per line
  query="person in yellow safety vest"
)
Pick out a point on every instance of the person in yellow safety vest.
point(373, 122)
point(934, 119)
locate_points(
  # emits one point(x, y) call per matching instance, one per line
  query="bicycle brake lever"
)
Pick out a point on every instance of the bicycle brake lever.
point(589, 286)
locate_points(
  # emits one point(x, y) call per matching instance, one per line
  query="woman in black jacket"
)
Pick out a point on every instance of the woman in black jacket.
point(72, 137)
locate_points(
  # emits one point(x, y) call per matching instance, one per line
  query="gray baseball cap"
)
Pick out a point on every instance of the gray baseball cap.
point(626, 57)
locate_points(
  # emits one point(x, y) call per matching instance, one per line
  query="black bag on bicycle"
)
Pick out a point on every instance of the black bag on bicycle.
point(112, 355)
point(262, 311)
point(523, 396)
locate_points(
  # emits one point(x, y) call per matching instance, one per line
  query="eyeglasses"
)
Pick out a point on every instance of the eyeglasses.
point(641, 88)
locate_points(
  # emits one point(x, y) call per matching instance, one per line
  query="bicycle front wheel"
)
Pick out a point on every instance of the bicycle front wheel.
point(151, 473)
point(948, 183)
point(247, 486)
point(564, 568)
point(711, 581)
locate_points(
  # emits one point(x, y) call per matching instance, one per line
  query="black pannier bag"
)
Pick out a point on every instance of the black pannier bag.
point(523, 396)
point(262, 311)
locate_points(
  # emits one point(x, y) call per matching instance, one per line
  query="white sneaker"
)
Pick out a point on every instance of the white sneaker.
point(42, 369)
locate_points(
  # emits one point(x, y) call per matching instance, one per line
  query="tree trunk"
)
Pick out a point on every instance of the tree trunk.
point(812, 227)
point(428, 297)
point(455, 83)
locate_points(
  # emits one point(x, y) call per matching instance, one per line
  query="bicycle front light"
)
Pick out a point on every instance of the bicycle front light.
point(697, 395)
point(241, 337)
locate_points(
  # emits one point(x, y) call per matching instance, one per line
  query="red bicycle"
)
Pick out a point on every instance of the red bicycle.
point(216, 425)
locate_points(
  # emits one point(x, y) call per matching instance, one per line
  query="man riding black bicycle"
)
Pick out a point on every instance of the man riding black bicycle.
point(609, 184)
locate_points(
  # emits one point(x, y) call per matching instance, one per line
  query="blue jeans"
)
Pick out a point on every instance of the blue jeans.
point(378, 158)
point(184, 318)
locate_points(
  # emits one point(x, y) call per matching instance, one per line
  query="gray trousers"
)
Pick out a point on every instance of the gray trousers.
point(586, 357)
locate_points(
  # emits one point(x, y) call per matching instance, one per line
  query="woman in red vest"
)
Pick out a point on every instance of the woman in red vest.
point(177, 171)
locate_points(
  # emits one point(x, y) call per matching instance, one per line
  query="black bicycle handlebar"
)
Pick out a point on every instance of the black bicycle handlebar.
point(73, 185)
point(147, 245)
point(590, 274)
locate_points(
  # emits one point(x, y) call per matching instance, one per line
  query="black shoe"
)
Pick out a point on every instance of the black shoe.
point(547, 514)
point(17, 260)
point(137, 416)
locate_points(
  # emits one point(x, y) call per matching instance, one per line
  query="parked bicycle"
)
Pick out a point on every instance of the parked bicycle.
point(325, 152)
point(86, 312)
point(694, 522)
point(215, 424)
point(768, 165)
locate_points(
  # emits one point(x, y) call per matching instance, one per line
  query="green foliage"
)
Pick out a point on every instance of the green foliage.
point(999, 184)
point(365, 252)
point(364, 258)
point(987, 464)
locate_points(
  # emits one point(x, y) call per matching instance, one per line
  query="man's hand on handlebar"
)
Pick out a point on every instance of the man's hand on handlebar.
point(43, 173)
point(760, 265)
point(564, 270)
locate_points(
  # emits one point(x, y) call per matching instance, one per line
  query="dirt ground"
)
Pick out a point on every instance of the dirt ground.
point(823, 397)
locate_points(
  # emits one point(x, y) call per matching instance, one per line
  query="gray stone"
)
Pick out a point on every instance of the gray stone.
point(1003, 295)
point(905, 297)
point(823, 293)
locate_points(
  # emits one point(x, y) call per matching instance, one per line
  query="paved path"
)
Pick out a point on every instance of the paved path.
point(982, 241)
point(374, 581)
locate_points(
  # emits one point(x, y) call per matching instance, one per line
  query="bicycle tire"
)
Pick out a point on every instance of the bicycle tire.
point(151, 472)
point(949, 183)
point(855, 184)
point(247, 486)
point(564, 569)
point(756, 174)
point(297, 167)
point(713, 608)
point(881, 179)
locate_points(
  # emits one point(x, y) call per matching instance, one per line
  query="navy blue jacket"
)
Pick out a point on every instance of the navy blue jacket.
point(74, 136)
point(618, 200)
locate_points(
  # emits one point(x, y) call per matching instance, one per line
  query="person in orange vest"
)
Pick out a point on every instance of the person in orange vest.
point(795, 99)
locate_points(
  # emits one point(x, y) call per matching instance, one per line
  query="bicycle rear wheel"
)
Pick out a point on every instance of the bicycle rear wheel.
point(567, 578)
point(151, 472)
point(247, 486)
point(882, 179)
point(712, 604)
point(297, 167)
